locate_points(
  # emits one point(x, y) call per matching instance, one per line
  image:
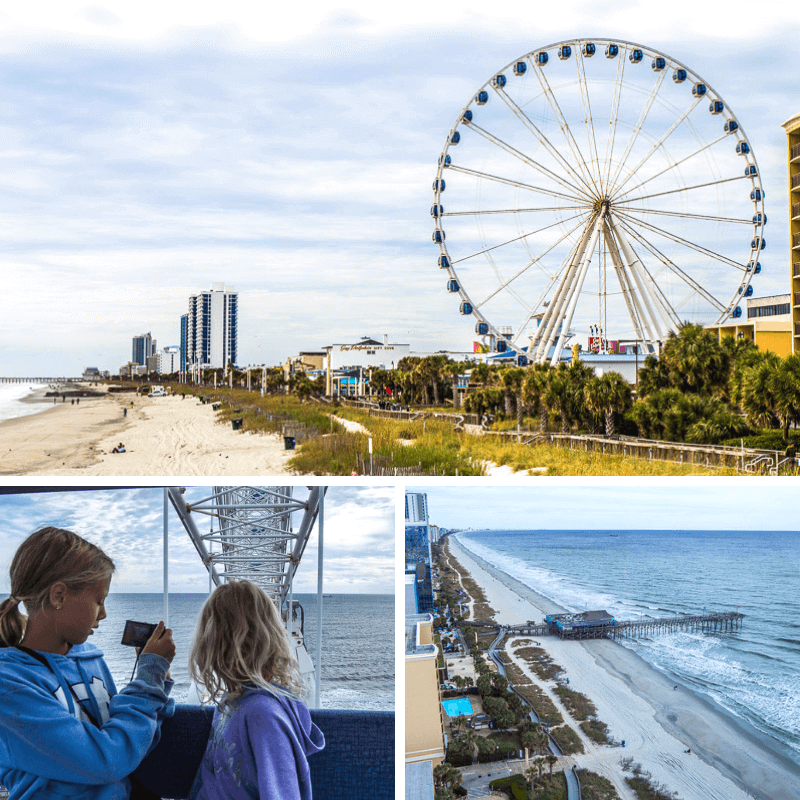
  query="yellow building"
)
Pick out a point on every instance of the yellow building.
point(792, 127)
point(424, 729)
point(767, 323)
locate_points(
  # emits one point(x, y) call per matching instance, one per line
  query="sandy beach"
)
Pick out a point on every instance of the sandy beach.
point(162, 436)
point(640, 706)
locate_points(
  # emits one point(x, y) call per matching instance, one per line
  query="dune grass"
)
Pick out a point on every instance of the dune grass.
point(429, 446)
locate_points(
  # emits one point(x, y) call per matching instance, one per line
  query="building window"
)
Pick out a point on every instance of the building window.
point(768, 311)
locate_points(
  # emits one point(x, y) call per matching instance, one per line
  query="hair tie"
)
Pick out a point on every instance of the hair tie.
point(15, 600)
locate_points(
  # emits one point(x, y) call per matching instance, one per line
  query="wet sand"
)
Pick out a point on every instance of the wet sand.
point(162, 436)
point(640, 705)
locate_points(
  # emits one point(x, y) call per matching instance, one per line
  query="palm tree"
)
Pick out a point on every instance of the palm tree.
point(513, 381)
point(534, 390)
point(607, 395)
point(551, 760)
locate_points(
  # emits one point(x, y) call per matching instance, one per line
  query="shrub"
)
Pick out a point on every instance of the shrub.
point(567, 739)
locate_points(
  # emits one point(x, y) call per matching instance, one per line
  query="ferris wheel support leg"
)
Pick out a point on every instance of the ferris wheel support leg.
point(668, 316)
point(649, 317)
point(573, 300)
point(628, 291)
point(553, 314)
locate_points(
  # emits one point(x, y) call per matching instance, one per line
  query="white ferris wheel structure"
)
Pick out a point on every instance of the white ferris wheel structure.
point(599, 189)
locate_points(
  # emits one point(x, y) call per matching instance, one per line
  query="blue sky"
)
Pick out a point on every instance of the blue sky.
point(644, 505)
point(150, 149)
point(358, 548)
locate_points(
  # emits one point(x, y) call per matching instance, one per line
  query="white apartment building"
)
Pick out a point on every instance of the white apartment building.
point(212, 328)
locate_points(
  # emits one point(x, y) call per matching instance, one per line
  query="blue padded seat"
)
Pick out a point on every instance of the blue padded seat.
point(357, 762)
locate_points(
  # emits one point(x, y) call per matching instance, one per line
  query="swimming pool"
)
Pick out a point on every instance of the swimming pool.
point(457, 706)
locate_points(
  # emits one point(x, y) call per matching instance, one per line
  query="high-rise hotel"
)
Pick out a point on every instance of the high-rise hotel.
point(211, 328)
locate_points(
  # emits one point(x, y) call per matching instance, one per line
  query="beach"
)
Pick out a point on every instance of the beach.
point(640, 705)
point(162, 436)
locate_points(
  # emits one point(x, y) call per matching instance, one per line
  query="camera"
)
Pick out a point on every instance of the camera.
point(136, 634)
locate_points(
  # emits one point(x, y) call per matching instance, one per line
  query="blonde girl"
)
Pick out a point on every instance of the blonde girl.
point(64, 729)
point(262, 732)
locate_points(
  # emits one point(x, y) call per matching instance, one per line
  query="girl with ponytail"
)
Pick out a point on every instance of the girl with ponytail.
point(65, 731)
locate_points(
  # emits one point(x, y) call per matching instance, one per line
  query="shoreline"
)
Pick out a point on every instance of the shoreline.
point(162, 436)
point(639, 704)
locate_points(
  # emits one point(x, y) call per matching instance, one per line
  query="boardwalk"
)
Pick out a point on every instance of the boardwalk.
point(721, 622)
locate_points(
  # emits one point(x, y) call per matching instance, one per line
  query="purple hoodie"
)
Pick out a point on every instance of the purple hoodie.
point(259, 749)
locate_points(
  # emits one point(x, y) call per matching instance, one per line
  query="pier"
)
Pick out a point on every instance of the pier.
point(40, 380)
point(717, 622)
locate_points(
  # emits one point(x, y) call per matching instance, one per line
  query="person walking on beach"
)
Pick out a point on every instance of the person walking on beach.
point(65, 731)
point(262, 734)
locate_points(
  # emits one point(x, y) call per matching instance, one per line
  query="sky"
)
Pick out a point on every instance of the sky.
point(650, 505)
point(358, 544)
point(148, 150)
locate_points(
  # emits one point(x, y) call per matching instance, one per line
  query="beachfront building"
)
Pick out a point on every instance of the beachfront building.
point(792, 128)
point(169, 360)
point(184, 342)
point(211, 328)
point(425, 738)
point(418, 549)
point(143, 347)
point(306, 361)
point(767, 323)
point(416, 507)
point(348, 366)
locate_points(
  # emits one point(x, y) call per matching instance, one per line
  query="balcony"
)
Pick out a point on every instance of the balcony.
point(795, 210)
point(796, 240)
point(795, 151)
point(796, 181)
point(796, 269)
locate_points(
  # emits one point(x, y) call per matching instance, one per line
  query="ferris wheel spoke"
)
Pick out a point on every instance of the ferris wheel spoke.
point(638, 127)
point(686, 188)
point(519, 238)
point(687, 279)
point(675, 125)
point(587, 110)
point(484, 211)
point(565, 129)
point(673, 165)
point(490, 137)
point(612, 137)
point(538, 189)
point(529, 124)
point(531, 263)
point(680, 240)
point(682, 214)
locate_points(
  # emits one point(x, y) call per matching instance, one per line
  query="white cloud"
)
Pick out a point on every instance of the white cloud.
point(150, 149)
point(358, 553)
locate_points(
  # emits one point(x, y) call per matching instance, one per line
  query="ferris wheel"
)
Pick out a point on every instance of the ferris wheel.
point(596, 189)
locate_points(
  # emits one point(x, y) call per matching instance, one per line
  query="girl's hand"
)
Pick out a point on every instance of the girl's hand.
point(161, 643)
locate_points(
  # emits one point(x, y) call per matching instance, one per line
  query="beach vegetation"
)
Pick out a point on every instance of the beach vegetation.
point(596, 787)
point(596, 730)
point(642, 783)
point(579, 706)
point(567, 740)
point(545, 787)
point(540, 662)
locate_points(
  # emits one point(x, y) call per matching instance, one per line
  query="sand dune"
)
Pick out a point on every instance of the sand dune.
point(162, 436)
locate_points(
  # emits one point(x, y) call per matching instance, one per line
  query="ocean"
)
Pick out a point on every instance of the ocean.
point(10, 396)
point(753, 674)
point(357, 643)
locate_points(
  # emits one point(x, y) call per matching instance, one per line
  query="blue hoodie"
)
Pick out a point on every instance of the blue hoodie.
point(259, 749)
point(49, 748)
